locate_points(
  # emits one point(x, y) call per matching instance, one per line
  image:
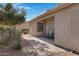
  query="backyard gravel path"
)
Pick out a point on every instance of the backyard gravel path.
point(33, 46)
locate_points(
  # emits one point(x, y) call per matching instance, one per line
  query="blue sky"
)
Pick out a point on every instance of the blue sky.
point(35, 9)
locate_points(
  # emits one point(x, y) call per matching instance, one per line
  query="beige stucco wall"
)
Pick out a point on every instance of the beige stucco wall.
point(67, 27)
point(22, 26)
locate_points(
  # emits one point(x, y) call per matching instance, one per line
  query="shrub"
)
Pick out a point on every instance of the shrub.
point(10, 37)
point(16, 40)
point(16, 46)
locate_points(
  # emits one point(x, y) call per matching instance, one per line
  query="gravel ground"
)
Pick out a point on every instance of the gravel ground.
point(32, 46)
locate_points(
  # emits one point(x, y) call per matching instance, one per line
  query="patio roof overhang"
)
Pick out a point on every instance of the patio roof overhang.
point(50, 12)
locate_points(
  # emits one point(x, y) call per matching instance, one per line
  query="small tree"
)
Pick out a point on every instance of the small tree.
point(11, 16)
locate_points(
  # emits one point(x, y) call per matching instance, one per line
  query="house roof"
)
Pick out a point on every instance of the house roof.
point(60, 7)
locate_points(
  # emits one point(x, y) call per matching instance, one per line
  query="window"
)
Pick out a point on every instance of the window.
point(40, 27)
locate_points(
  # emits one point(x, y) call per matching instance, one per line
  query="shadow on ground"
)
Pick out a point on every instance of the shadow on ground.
point(36, 46)
point(29, 48)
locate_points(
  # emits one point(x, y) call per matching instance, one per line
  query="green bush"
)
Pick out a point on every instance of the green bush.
point(10, 36)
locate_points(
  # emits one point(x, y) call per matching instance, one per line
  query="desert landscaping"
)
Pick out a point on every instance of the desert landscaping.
point(32, 46)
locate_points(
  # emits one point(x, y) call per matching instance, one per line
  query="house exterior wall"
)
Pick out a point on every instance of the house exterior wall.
point(48, 27)
point(67, 27)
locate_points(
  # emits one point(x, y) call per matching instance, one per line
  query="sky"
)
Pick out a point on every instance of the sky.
point(35, 9)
